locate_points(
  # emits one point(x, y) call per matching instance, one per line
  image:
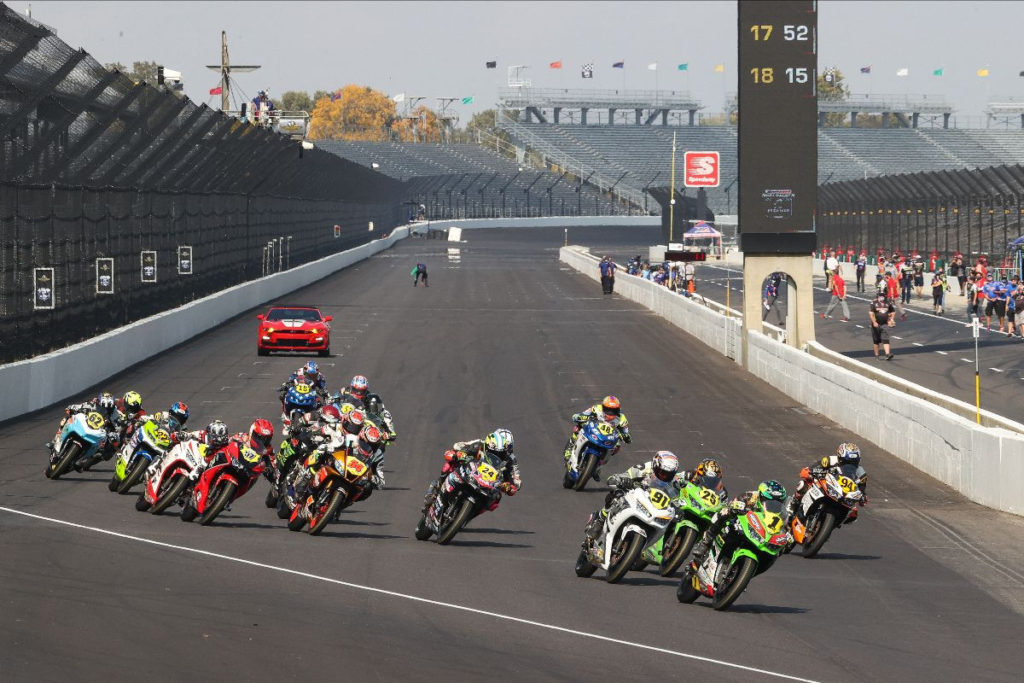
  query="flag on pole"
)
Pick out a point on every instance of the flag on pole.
point(903, 72)
point(556, 65)
point(983, 72)
point(1021, 74)
point(719, 68)
point(216, 91)
point(653, 66)
point(588, 71)
point(492, 65)
point(467, 100)
point(683, 67)
point(865, 69)
point(937, 72)
point(619, 65)
point(400, 97)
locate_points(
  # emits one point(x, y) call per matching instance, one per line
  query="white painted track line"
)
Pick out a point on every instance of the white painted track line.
point(406, 596)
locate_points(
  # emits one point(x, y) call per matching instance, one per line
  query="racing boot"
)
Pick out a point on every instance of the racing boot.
point(428, 499)
point(595, 524)
point(568, 448)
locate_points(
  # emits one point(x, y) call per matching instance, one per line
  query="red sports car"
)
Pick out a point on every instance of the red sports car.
point(294, 328)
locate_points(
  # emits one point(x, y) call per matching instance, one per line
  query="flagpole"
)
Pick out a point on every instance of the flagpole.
point(672, 192)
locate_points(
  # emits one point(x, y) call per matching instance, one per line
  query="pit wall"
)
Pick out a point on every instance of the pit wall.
point(984, 463)
point(44, 380)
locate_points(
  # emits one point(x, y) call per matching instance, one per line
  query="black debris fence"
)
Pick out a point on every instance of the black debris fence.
point(973, 212)
point(119, 200)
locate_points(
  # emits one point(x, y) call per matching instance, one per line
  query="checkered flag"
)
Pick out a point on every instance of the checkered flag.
point(588, 70)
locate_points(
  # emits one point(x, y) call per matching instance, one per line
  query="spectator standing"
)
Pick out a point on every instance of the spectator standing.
point(892, 292)
point(956, 270)
point(974, 296)
point(771, 293)
point(419, 271)
point(607, 275)
point(990, 295)
point(838, 295)
point(918, 269)
point(938, 291)
point(906, 281)
point(1018, 305)
point(831, 268)
point(882, 313)
point(861, 268)
point(688, 277)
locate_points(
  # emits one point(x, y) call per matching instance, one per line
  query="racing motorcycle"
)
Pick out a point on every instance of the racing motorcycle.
point(829, 502)
point(148, 443)
point(83, 436)
point(169, 477)
point(697, 504)
point(298, 400)
point(747, 546)
point(636, 520)
point(234, 470)
point(596, 441)
point(468, 490)
point(343, 476)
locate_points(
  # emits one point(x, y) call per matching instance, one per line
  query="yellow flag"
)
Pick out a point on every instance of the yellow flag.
point(983, 72)
point(719, 68)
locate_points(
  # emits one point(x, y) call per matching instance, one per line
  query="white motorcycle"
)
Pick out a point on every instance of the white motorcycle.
point(635, 521)
point(170, 476)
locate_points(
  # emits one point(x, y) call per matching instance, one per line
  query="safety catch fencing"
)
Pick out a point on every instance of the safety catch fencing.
point(119, 199)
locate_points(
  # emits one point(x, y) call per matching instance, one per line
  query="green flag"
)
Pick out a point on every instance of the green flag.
point(937, 72)
point(467, 100)
point(684, 67)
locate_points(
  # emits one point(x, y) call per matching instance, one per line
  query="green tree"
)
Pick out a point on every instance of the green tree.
point(140, 71)
point(296, 100)
point(832, 87)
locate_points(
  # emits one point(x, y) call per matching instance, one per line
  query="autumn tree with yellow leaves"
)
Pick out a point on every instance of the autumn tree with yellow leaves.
point(358, 112)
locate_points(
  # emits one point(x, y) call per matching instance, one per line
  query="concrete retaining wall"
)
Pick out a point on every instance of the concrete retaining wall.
point(551, 222)
point(41, 381)
point(984, 463)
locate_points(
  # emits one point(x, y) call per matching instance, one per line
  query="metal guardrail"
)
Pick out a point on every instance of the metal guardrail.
point(598, 99)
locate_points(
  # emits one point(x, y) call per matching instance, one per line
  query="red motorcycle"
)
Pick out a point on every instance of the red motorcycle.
point(232, 472)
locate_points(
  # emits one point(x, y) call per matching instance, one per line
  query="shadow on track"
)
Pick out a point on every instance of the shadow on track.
point(760, 609)
point(494, 531)
point(488, 544)
point(356, 534)
point(844, 556)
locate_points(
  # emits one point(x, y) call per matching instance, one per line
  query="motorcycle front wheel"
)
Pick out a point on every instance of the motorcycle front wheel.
point(741, 574)
point(584, 568)
point(820, 534)
point(625, 552)
point(676, 550)
point(169, 493)
point(447, 533)
point(225, 493)
point(685, 592)
point(66, 459)
point(586, 472)
point(318, 521)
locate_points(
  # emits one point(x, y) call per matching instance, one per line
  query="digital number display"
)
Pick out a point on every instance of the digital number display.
point(778, 120)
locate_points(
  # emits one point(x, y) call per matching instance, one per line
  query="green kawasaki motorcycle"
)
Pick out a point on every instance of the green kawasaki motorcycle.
point(697, 503)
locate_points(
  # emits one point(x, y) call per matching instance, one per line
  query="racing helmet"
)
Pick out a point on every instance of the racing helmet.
point(261, 434)
point(370, 439)
point(770, 490)
point(353, 421)
point(499, 442)
point(330, 414)
point(848, 453)
point(710, 467)
point(359, 386)
point(611, 406)
point(106, 404)
point(217, 434)
point(310, 369)
point(132, 402)
point(177, 414)
point(665, 465)
point(373, 404)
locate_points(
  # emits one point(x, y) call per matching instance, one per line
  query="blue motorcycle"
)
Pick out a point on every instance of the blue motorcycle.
point(81, 437)
point(596, 441)
point(298, 400)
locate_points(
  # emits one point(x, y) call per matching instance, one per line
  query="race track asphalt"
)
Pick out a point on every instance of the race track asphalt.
point(926, 586)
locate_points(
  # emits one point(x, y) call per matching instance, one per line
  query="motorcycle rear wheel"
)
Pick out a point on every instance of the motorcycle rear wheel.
point(630, 549)
point(133, 476)
point(423, 532)
point(225, 492)
point(188, 512)
point(271, 500)
point(68, 456)
point(283, 511)
point(168, 494)
point(447, 533)
point(584, 568)
point(317, 523)
point(141, 504)
point(744, 572)
point(826, 522)
point(586, 472)
point(296, 523)
point(678, 551)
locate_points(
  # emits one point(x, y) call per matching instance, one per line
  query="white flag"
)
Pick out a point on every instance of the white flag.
point(400, 97)
point(903, 72)
point(653, 67)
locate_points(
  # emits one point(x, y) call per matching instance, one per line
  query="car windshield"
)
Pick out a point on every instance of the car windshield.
point(293, 314)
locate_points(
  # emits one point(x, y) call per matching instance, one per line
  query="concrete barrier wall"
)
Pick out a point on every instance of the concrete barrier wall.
point(984, 463)
point(41, 381)
point(550, 222)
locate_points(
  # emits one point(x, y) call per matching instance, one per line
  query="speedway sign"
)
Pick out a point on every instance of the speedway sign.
point(701, 169)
